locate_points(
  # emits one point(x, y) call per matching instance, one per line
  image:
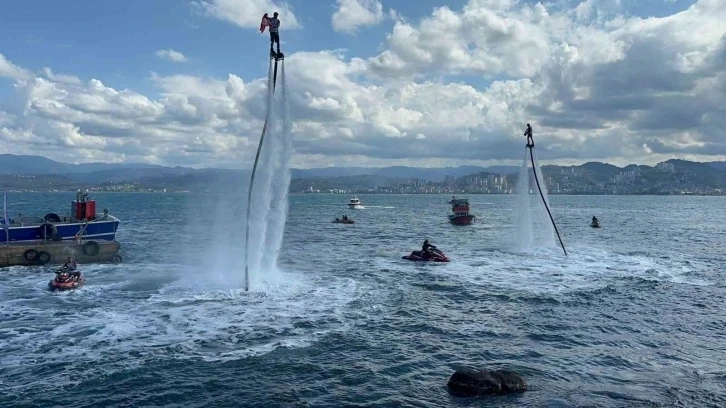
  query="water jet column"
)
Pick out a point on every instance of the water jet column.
point(530, 146)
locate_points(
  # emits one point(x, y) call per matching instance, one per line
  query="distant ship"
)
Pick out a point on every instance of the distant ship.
point(460, 210)
point(355, 203)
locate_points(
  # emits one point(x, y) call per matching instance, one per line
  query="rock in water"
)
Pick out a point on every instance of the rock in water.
point(471, 383)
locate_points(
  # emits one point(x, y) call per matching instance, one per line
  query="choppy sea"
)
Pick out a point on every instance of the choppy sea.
point(633, 317)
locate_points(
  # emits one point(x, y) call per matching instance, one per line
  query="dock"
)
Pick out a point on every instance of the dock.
point(57, 252)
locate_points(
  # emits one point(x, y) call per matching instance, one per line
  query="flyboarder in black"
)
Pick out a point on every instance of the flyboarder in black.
point(528, 133)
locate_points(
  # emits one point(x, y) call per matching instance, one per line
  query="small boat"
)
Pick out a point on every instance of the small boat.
point(460, 210)
point(344, 220)
point(434, 255)
point(64, 281)
point(355, 203)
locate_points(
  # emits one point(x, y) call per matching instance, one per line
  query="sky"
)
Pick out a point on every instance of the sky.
point(425, 83)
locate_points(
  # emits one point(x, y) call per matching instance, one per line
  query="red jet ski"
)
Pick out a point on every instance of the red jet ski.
point(433, 255)
point(64, 281)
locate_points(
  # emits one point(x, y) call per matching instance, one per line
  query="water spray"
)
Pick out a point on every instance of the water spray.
point(271, 80)
point(530, 146)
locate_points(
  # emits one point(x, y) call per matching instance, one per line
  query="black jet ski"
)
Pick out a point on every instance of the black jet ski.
point(433, 255)
point(343, 221)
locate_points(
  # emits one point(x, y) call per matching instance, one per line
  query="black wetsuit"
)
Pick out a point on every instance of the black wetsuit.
point(528, 133)
point(425, 249)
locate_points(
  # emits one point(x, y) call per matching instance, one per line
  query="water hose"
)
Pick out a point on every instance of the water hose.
point(254, 170)
point(534, 170)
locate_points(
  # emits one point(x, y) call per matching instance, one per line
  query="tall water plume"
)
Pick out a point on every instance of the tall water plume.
point(534, 228)
point(270, 191)
point(282, 148)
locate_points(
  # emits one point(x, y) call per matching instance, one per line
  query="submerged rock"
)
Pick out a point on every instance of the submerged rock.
point(472, 383)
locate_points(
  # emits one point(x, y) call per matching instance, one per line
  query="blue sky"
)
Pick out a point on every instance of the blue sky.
point(444, 89)
point(115, 41)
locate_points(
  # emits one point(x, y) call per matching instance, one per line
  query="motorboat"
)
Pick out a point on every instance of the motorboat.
point(355, 203)
point(460, 212)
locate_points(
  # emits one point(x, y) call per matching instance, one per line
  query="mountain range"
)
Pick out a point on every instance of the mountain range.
point(41, 173)
point(11, 164)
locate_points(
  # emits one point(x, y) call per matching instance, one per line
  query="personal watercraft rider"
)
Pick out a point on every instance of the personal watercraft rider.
point(71, 267)
point(426, 249)
point(595, 221)
point(426, 246)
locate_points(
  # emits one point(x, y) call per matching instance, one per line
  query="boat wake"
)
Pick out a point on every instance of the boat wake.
point(152, 314)
point(545, 274)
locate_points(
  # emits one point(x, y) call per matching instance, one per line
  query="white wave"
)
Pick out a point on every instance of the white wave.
point(183, 318)
point(547, 271)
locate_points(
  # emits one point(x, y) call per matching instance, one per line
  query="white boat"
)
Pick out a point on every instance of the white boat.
point(355, 203)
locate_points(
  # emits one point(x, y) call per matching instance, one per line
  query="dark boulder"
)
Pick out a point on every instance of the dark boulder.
point(472, 383)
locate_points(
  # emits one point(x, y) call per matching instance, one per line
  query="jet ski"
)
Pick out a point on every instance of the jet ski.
point(434, 255)
point(595, 223)
point(64, 281)
point(343, 221)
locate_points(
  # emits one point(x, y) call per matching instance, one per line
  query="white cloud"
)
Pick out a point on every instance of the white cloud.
point(171, 55)
point(595, 86)
point(68, 79)
point(10, 70)
point(94, 122)
point(351, 14)
point(247, 13)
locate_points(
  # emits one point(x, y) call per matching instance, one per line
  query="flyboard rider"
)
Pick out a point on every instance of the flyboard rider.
point(274, 24)
point(528, 133)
